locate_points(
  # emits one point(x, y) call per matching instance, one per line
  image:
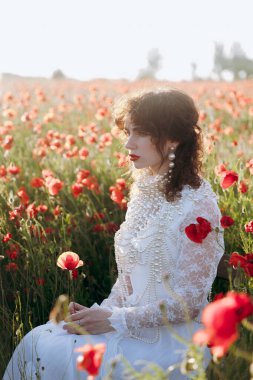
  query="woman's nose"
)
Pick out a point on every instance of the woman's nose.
point(130, 144)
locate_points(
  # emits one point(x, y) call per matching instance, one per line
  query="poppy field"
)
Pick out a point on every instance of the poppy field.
point(64, 187)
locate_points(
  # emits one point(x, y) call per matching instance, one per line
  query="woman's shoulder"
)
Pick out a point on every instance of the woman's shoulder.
point(200, 202)
point(204, 191)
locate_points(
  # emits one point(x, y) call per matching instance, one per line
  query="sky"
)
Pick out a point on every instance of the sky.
point(111, 38)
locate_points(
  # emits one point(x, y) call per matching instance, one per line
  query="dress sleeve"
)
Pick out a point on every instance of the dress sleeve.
point(194, 274)
point(114, 298)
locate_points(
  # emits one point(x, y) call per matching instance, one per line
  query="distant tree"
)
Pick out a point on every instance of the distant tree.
point(219, 60)
point(236, 62)
point(194, 71)
point(242, 66)
point(154, 59)
point(58, 74)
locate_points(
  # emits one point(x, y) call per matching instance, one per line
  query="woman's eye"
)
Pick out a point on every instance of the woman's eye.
point(140, 133)
point(135, 132)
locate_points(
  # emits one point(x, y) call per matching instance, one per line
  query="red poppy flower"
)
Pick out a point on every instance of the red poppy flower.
point(37, 182)
point(11, 267)
point(249, 165)
point(111, 227)
point(7, 237)
point(22, 194)
point(70, 140)
point(226, 221)
point(218, 296)
point(71, 153)
point(82, 174)
point(57, 210)
point(101, 113)
point(13, 169)
point(42, 208)
point(228, 179)
point(198, 232)
point(47, 173)
point(98, 228)
point(91, 358)
point(40, 281)
point(121, 183)
point(8, 97)
point(83, 153)
point(48, 117)
point(221, 319)
point(91, 139)
point(91, 183)
point(49, 230)
point(16, 212)
point(242, 187)
point(54, 186)
point(7, 142)
point(220, 169)
point(106, 139)
point(25, 117)
point(76, 189)
point(245, 262)
point(96, 216)
point(81, 131)
point(13, 251)
point(116, 194)
point(249, 226)
point(69, 260)
point(3, 171)
point(202, 115)
point(122, 160)
point(31, 211)
point(236, 259)
point(9, 113)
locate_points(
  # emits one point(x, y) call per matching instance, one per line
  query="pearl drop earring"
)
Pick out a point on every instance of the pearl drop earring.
point(171, 157)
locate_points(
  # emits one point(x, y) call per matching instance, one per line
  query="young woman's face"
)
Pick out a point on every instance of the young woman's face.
point(143, 152)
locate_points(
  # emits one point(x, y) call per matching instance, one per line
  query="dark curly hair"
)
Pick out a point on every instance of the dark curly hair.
point(167, 114)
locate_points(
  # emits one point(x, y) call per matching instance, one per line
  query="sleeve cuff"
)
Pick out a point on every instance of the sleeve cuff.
point(118, 320)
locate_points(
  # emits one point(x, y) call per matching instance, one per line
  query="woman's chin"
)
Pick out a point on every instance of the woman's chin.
point(138, 165)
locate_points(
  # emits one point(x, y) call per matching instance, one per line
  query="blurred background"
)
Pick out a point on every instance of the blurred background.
point(117, 39)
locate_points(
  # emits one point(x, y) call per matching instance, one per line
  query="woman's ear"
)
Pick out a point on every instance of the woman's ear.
point(171, 145)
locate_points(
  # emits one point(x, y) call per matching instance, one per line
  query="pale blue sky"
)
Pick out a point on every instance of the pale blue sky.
point(111, 38)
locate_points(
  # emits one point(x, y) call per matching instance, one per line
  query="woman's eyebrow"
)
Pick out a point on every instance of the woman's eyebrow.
point(133, 128)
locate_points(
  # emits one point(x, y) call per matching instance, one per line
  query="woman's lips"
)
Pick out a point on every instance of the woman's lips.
point(133, 157)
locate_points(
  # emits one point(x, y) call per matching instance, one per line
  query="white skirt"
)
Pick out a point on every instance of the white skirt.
point(47, 353)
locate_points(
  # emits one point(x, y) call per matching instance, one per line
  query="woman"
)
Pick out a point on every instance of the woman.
point(160, 269)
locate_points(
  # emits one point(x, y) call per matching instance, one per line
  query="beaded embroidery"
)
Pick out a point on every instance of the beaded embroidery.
point(140, 242)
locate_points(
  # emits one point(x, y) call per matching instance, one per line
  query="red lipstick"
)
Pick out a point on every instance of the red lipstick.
point(133, 157)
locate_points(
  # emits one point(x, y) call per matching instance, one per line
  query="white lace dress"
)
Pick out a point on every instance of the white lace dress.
point(157, 264)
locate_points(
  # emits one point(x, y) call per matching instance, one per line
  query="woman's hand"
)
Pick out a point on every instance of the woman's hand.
point(74, 307)
point(92, 321)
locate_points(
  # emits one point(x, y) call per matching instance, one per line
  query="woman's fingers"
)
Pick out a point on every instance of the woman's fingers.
point(73, 326)
point(78, 315)
point(71, 330)
point(93, 321)
point(79, 307)
point(74, 307)
point(71, 307)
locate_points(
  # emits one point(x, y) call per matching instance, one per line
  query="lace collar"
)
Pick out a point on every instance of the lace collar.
point(147, 183)
point(153, 185)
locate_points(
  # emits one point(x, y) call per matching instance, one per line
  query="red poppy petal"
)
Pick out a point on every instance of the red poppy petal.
point(193, 234)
